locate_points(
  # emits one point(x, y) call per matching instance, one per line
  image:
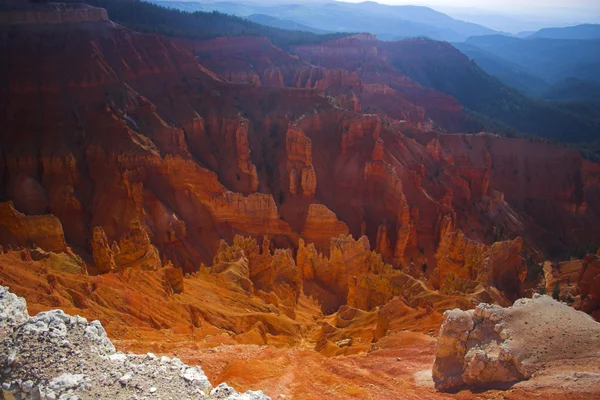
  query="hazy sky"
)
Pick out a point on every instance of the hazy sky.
point(515, 7)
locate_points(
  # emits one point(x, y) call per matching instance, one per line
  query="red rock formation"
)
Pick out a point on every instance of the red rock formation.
point(246, 60)
point(247, 266)
point(383, 245)
point(17, 229)
point(143, 168)
point(352, 274)
point(174, 278)
point(370, 60)
point(234, 274)
point(135, 249)
point(589, 286)
point(322, 225)
point(132, 128)
point(397, 315)
point(136, 305)
point(104, 257)
point(499, 265)
point(330, 275)
point(303, 180)
point(141, 131)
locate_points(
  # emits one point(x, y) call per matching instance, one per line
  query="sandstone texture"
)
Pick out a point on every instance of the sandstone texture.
point(499, 265)
point(322, 225)
point(56, 356)
point(18, 229)
point(215, 322)
point(589, 286)
point(495, 347)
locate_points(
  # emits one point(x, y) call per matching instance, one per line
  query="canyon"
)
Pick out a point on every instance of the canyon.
point(299, 223)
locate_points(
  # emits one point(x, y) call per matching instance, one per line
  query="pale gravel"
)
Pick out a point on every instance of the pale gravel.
point(57, 356)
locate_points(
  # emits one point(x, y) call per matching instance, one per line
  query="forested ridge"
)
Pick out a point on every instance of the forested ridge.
point(499, 107)
point(151, 18)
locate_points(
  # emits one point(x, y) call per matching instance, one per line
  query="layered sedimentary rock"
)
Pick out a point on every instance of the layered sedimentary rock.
point(302, 176)
point(246, 60)
point(562, 280)
point(104, 256)
point(397, 315)
point(321, 225)
point(217, 138)
point(174, 278)
point(522, 198)
point(499, 265)
point(495, 347)
point(144, 166)
point(257, 61)
point(589, 286)
point(135, 304)
point(198, 159)
point(149, 159)
point(352, 274)
point(18, 229)
point(134, 250)
point(330, 274)
point(371, 61)
point(235, 274)
point(250, 267)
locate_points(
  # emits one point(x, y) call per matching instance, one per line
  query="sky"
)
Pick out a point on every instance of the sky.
point(511, 7)
point(513, 15)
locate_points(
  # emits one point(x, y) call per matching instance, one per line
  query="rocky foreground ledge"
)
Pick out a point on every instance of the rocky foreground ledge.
point(57, 356)
point(539, 340)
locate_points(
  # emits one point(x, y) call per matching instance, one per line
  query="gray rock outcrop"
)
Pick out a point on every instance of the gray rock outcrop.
point(56, 356)
point(496, 347)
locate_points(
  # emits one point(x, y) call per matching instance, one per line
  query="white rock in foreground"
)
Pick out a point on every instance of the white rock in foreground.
point(57, 356)
point(495, 347)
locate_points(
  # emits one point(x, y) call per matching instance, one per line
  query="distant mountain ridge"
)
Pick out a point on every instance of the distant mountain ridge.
point(147, 17)
point(574, 89)
point(387, 22)
point(581, 32)
point(275, 22)
point(549, 59)
point(508, 72)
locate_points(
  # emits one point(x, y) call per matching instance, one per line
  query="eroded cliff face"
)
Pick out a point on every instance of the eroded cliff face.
point(19, 230)
point(117, 159)
point(322, 225)
point(588, 284)
point(134, 249)
point(256, 61)
point(370, 60)
point(575, 282)
point(302, 176)
point(240, 159)
point(462, 262)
